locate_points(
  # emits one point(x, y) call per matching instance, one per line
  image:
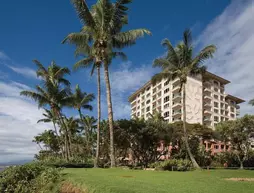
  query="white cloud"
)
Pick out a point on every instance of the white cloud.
point(124, 82)
point(27, 72)
point(3, 56)
point(233, 34)
point(18, 123)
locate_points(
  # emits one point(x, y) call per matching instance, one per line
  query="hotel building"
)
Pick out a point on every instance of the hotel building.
point(206, 100)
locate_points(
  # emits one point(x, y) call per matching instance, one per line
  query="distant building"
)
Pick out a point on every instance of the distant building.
point(206, 100)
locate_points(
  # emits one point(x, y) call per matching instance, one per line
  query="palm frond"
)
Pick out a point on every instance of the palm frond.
point(83, 12)
point(84, 63)
point(171, 53)
point(131, 36)
point(77, 39)
point(163, 75)
point(187, 38)
point(204, 54)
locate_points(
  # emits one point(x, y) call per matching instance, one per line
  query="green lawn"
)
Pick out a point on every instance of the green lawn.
point(135, 181)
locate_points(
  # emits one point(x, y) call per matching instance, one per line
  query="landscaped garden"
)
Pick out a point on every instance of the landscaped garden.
point(136, 181)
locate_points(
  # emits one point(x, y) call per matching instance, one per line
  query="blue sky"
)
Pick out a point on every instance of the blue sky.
point(34, 30)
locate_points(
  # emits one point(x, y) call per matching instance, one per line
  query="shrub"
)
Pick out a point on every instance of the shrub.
point(29, 178)
point(172, 165)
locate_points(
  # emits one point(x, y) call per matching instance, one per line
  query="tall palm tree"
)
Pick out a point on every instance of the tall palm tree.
point(53, 93)
point(179, 62)
point(102, 29)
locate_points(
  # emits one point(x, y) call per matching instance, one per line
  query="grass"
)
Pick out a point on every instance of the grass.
point(136, 181)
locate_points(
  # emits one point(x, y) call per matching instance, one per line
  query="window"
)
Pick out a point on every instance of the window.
point(216, 83)
point(232, 109)
point(227, 146)
point(138, 114)
point(216, 146)
point(148, 88)
point(166, 99)
point(159, 86)
point(222, 98)
point(154, 90)
point(166, 114)
point(216, 89)
point(222, 146)
point(148, 95)
point(166, 91)
point(166, 83)
point(138, 101)
point(138, 107)
point(147, 109)
point(216, 104)
point(147, 102)
point(216, 96)
point(216, 111)
point(216, 118)
point(166, 106)
point(221, 105)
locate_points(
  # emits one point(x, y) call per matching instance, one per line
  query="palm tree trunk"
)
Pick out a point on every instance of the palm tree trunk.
point(58, 138)
point(66, 141)
point(195, 164)
point(99, 117)
point(110, 115)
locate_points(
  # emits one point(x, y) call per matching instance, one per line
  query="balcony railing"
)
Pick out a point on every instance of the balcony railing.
point(177, 113)
point(207, 119)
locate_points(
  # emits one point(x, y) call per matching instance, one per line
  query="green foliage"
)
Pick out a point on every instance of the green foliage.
point(172, 165)
point(29, 178)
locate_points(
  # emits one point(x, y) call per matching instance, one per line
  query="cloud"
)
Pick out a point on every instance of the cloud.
point(27, 72)
point(124, 82)
point(233, 34)
point(18, 123)
point(3, 56)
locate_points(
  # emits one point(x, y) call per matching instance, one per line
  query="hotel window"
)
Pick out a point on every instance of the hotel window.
point(147, 102)
point(216, 97)
point(147, 109)
point(221, 98)
point(148, 88)
point(216, 146)
point(166, 114)
point(216, 118)
point(222, 146)
point(216, 104)
point(216, 89)
point(166, 99)
point(216, 83)
point(166, 83)
point(138, 114)
point(166, 91)
point(154, 90)
point(138, 107)
point(232, 109)
point(216, 111)
point(166, 106)
point(159, 87)
point(148, 95)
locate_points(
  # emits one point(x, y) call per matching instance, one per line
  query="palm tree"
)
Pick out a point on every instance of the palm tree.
point(51, 117)
point(102, 29)
point(179, 62)
point(52, 93)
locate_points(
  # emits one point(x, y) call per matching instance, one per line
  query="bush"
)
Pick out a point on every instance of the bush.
point(172, 165)
point(29, 178)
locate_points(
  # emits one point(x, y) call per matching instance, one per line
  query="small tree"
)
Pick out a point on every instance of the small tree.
point(238, 132)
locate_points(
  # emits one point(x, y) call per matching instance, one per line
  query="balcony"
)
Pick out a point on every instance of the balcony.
point(176, 88)
point(207, 119)
point(207, 112)
point(237, 106)
point(177, 96)
point(237, 112)
point(177, 105)
point(207, 90)
point(207, 105)
point(177, 113)
point(207, 84)
point(176, 82)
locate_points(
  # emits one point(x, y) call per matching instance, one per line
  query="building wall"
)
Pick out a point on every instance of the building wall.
point(194, 101)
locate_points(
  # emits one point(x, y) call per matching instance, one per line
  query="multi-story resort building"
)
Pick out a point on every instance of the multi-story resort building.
point(206, 100)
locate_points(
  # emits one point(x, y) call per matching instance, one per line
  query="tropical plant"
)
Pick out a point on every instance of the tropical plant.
point(180, 63)
point(53, 93)
point(102, 28)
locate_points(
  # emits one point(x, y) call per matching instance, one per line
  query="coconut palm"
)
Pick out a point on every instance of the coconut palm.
point(102, 29)
point(179, 62)
point(53, 94)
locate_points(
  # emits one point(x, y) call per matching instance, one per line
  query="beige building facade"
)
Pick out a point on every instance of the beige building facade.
point(206, 100)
